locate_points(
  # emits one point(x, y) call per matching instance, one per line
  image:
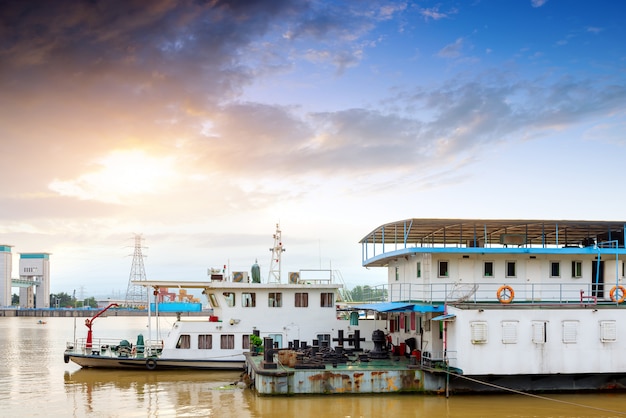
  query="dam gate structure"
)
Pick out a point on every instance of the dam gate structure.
point(33, 281)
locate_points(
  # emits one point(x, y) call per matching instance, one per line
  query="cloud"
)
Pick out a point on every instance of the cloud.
point(538, 3)
point(452, 50)
point(434, 13)
point(593, 29)
point(164, 83)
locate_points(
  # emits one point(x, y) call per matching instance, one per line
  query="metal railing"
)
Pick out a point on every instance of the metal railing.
point(485, 292)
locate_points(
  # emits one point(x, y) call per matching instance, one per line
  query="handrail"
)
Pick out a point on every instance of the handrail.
point(486, 292)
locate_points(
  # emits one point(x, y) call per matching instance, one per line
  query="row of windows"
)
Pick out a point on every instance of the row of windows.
point(509, 267)
point(274, 300)
point(511, 270)
point(227, 341)
point(205, 341)
point(569, 332)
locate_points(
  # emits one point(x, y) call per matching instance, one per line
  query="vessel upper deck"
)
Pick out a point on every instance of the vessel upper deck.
point(501, 234)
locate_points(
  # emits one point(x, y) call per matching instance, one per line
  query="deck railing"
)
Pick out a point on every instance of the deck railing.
point(485, 292)
point(114, 347)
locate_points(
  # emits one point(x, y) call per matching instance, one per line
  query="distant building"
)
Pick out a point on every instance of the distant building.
point(33, 281)
point(6, 260)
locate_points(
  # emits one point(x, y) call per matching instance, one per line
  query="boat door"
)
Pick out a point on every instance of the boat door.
point(532, 287)
point(597, 279)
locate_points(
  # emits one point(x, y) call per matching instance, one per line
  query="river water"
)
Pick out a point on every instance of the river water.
point(35, 382)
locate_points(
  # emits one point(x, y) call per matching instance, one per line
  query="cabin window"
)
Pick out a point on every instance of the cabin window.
point(302, 300)
point(608, 331)
point(245, 342)
point(275, 300)
point(443, 269)
point(488, 269)
point(418, 269)
point(570, 332)
point(540, 333)
point(227, 341)
point(230, 299)
point(248, 300)
point(577, 269)
point(478, 331)
point(205, 342)
point(510, 269)
point(509, 332)
point(277, 340)
point(184, 341)
point(555, 269)
point(397, 272)
point(213, 300)
point(323, 340)
point(413, 321)
point(327, 300)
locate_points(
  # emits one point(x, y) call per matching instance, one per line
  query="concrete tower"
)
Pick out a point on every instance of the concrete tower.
point(6, 259)
point(35, 268)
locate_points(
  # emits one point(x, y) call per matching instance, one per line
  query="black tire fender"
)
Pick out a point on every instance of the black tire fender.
point(151, 364)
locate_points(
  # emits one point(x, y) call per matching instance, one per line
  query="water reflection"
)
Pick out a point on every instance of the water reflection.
point(168, 393)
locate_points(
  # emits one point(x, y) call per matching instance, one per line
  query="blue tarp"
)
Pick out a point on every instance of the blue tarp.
point(177, 307)
point(399, 307)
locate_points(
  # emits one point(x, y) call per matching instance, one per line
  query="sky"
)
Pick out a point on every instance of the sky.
point(200, 125)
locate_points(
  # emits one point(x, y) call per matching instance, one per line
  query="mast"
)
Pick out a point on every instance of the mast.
point(277, 251)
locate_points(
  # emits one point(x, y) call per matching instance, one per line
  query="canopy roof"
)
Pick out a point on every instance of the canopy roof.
point(450, 231)
point(399, 307)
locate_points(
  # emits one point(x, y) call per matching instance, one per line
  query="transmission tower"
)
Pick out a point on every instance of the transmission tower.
point(136, 294)
point(277, 252)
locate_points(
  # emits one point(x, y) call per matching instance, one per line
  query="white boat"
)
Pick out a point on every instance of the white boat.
point(491, 305)
point(303, 311)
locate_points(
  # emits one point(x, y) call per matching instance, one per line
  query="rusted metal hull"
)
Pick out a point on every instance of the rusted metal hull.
point(366, 378)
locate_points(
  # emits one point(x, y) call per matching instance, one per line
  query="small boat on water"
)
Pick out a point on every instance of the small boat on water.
point(245, 312)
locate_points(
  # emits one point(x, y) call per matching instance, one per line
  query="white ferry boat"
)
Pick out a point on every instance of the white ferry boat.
point(307, 310)
point(488, 305)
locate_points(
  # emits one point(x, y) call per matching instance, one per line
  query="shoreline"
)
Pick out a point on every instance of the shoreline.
point(85, 313)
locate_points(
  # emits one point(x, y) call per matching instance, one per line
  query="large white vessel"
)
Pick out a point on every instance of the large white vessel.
point(304, 311)
point(531, 305)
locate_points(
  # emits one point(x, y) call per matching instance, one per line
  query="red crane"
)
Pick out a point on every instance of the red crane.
point(89, 323)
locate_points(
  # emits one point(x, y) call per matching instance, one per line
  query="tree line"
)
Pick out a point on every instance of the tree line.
point(63, 300)
point(368, 294)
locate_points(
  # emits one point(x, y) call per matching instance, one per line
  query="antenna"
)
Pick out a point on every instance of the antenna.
point(137, 294)
point(461, 292)
point(277, 252)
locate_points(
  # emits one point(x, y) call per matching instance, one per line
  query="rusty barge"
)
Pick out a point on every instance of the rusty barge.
point(313, 370)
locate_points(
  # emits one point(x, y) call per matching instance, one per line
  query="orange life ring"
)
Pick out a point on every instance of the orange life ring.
point(617, 291)
point(505, 294)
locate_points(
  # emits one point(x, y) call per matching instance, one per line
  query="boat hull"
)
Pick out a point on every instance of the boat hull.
point(104, 362)
point(539, 383)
